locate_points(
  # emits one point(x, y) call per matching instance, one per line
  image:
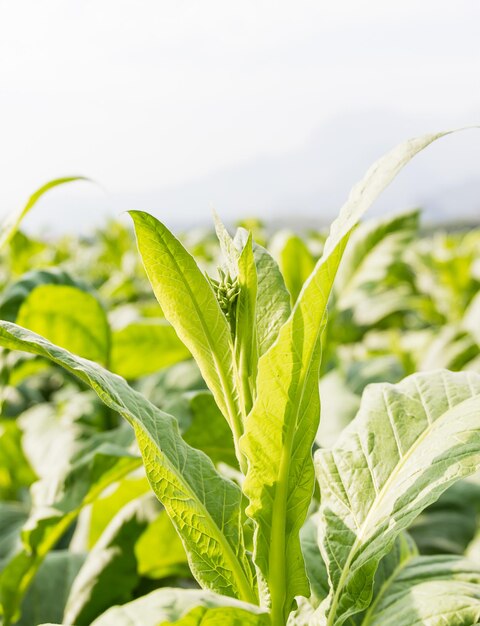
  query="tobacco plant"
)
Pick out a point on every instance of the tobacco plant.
point(329, 543)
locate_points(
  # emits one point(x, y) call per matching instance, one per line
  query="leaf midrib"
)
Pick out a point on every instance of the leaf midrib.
point(243, 584)
point(383, 491)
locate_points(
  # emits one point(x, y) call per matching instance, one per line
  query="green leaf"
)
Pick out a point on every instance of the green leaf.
point(208, 430)
point(15, 470)
point(14, 296)
point(408, 443)
point(373, 249)
point(295, 260)
point(316, 569)
point(273, 299)
point(12, 517)
point(434, 590)
point(10, 225)
point(221, 616)
point(449, 525)
point(190, 305)
point(69, 317)
point(281, 428)
point(246, 348)
point(57, 503)
point(168, 605)
point(46, 597)
point(205, 507)
point(160, 552)
point(109, 573)
point(144, 347)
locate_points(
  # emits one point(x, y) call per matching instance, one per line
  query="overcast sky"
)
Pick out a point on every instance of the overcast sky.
point(169, 104)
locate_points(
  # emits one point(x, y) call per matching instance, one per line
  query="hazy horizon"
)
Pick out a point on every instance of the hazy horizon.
point(267, 109)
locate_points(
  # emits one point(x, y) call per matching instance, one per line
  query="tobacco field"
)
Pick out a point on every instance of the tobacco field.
point(242, 427)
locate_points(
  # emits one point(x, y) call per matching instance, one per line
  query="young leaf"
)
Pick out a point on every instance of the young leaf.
point(408, 444)
point(282, 425)
point(273, 299)
point(205, 507)
point(246, 348)
point(190, 305)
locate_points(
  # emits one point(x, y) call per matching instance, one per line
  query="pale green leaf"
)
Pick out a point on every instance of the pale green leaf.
point(435, 590)
point(168, 605)
point(208, 430)
point(282, 425)
point(373, 248)
point(14, 296)
point(246, 347)
point(203, 505)
point(408, 443)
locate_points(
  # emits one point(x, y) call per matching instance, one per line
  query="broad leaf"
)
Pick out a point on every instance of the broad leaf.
point(435, 590)
point(165, 606)
point(144, 347)
point(204, 506)
point(281, 428)
point(14, 296)
point(408, 443)
point(69, 317)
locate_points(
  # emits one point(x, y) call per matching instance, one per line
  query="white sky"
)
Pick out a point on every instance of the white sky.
point(145, 94)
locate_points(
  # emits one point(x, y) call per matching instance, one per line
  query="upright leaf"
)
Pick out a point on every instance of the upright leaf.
point(190, 305)
point(282, 425)
point(246, 346)
point(205, 507)
point(408, 443)
point(273, 299)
